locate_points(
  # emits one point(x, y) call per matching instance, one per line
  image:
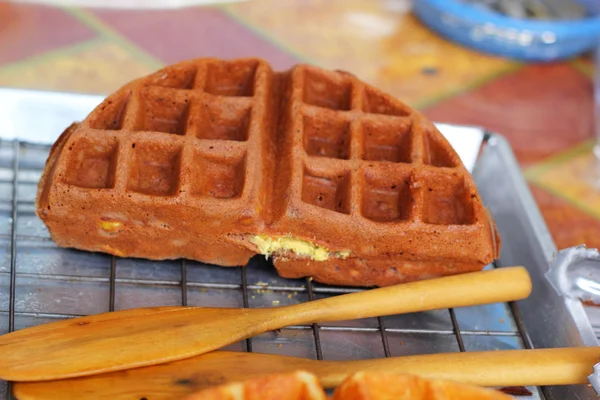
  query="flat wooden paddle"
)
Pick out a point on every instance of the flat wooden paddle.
point(147, 336)
point(564, 366)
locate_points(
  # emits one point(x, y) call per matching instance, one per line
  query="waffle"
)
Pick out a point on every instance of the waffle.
point(219, 160)
point(359, 386)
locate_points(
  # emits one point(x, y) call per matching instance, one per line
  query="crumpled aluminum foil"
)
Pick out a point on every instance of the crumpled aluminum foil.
point(575, 273)
point(594, 379)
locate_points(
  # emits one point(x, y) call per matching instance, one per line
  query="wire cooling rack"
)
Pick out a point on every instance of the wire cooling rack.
point(40, 283)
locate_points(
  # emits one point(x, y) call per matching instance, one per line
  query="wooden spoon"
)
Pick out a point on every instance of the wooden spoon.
point(563, 366)
point(146, 336)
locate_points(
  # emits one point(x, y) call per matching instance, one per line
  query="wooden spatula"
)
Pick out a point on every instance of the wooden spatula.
point(565, 366)
point(139, 337)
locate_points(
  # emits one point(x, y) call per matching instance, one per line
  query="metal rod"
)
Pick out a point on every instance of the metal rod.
point(184, 299)
point(315, 327)
point(246, 304)
point(384, 338)
point(113, 277)
point(13, 243)
point(521, 331)
point(457, 332)
point(13, 250)
point(154, 282)
point(516, 314)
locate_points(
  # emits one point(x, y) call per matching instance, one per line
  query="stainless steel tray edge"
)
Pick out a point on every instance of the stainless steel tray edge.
point(548, 320)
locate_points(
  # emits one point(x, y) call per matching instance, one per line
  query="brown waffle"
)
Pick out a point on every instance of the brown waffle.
point(360, 386)
point(197, 159)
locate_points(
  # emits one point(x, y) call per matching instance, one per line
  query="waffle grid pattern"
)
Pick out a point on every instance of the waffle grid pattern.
point(367, 156)
point(200, 118)
point(192, 132)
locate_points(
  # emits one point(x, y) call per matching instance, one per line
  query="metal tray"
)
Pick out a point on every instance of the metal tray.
point(40, 282)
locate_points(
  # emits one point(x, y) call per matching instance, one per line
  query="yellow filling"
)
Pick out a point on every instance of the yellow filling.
point(267, 245)
point(110, 226)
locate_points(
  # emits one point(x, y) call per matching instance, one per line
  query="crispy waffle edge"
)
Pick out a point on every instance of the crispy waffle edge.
point(48, 171)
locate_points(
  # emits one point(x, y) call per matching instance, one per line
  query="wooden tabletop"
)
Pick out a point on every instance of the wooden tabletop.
point(545, 111)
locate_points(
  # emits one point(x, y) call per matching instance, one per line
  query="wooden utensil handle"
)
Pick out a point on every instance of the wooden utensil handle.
point(562, 366)
point(484, 287)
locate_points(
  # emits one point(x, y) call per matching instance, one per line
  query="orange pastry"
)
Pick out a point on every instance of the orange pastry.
point(360, 386)
point(298, 385)
point(382, 386)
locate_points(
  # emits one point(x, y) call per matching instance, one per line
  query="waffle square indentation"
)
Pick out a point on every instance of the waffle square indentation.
point(378, 103)
point(154, 168)
point(176, 78)
point(163, 111)
point(327, 91)
point(330, 192)
point(447, 201)
point(437, 153)
point(387, 141)
point(222, 121)
point(387, 198)
point(218, 178)
point(110, 113)
point(92, 163)
point(327, 137)
point(231, 78)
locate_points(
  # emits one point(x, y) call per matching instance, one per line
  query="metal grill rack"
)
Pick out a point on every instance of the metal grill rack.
point(40, 283)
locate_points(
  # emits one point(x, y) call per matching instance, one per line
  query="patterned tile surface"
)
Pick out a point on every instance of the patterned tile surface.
point(541, 109)
point(388, 48)
point(571, 175)
point(569, 225)
point(94, 67)
point(191, 33)
point(35, 30)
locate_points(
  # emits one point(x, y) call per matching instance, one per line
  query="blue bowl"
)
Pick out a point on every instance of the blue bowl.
point(521, 39)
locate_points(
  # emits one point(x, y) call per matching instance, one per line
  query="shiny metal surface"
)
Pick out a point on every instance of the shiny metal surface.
point(548, 320)
point(51, 283)
point(38, 116)
point(594, 378)
point(575, 273)
point(128, 4)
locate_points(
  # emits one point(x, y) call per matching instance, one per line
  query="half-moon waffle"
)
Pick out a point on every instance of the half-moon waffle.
point(219, 160)
point(302, 385)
